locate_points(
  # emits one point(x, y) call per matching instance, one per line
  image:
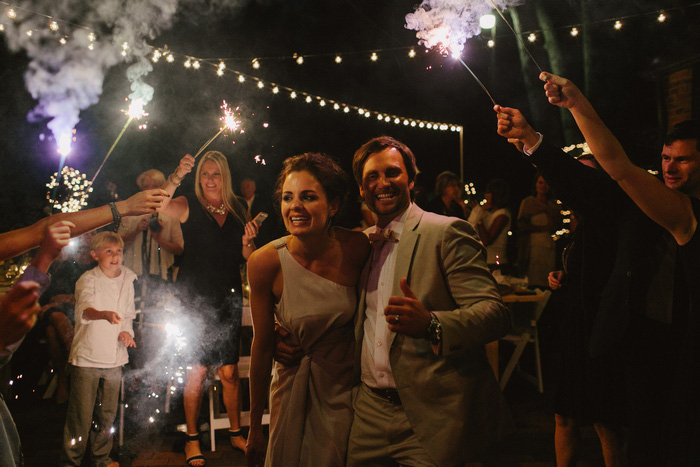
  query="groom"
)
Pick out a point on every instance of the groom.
point(426, 394)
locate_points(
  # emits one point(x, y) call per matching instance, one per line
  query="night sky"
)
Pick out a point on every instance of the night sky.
point(185, 107)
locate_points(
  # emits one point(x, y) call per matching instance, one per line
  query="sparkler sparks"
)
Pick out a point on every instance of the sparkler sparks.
point(72, 194)
point(445, 25)
point(64, 144)
point(230, 123)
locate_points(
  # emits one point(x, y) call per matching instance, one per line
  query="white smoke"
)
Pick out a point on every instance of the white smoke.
point(449, 23)
point(67, 77)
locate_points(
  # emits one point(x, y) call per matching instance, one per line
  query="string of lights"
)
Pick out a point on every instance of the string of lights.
point(532, 35)
point(224, 65)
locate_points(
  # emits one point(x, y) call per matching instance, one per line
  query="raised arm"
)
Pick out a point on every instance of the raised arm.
point(263, 268)
point(668, 207)
point(177, 208)
point(16, 242)
point(582, 188)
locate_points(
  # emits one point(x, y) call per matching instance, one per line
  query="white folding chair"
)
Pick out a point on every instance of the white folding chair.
point(523, 334)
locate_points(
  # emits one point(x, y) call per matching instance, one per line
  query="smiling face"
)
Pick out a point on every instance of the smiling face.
point(109, 258)
point(211, 181)
point(386, 187)
point(680, 162)
point(304, 206)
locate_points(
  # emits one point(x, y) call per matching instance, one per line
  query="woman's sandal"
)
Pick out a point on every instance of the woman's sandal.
point(236, 434)
point(194, 461)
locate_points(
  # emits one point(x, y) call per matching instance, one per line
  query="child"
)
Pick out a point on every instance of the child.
point(104, 312)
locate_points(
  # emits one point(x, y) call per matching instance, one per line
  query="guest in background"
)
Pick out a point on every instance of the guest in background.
point(257, 203)
point(537, 221)
point(492, 222)
point(151, 241)
point(448, 196)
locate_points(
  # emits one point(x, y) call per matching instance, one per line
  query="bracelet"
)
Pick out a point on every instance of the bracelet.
point(116, 217)
point(248, 245)
point(172, 177)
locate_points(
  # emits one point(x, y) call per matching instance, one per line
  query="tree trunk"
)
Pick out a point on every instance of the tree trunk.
point(556, 62)
point(529, 71)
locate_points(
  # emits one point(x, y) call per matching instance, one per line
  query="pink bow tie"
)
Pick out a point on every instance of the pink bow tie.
point(378, 239)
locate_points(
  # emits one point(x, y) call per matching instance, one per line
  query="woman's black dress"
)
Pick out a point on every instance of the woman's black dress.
point(209, 285)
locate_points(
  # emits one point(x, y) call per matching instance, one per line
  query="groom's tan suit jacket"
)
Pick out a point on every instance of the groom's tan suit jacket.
point(452, 401)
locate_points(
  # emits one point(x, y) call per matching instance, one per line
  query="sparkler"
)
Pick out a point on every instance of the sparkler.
point(443, 29)
point(135, 112)
point(230, 123)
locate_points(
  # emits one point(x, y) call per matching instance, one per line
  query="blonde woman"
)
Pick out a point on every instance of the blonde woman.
point(218, 239)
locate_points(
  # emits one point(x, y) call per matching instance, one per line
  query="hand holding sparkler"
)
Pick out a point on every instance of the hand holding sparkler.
point(143, 202)
point(560, 91)
point(185, 167)
point(513, 126)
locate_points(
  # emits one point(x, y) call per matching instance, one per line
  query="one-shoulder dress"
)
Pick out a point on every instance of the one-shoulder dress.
point(310, 404)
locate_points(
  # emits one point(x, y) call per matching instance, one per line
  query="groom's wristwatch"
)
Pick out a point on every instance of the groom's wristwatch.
point(434, 332)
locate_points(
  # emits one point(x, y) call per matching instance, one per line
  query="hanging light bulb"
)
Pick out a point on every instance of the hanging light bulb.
point(53, 25)
point(412, 53)
point(662, 17)
point(574, 32)
point(338, 59)
point(491, 43)
point(532, 37)
point(374, 56)
point(618, 25)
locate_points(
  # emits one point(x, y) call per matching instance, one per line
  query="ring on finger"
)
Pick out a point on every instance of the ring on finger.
point(396, 319)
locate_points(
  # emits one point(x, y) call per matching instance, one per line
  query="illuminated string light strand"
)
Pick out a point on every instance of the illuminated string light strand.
point(661, 15)
point(326, 102)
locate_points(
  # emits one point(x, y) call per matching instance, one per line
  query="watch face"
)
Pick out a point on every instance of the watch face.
point(434, 331)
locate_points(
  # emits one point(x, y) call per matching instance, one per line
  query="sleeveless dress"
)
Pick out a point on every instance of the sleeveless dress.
point(209, 285)
point(310, 404)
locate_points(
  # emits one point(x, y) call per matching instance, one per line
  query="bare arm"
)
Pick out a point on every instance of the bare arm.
point(487, 236)
point(17, 242)
point(669, 208)
point(174, 245)
point(263, 268)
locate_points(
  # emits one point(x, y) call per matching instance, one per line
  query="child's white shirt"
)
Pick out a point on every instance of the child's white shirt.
point(96, 343)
